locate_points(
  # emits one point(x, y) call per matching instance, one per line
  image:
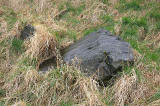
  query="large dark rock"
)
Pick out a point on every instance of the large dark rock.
point(100, 53)
point(28, 31)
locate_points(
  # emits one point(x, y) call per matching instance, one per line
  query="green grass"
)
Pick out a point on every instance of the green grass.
point(130, 27)
point(124, 6)
point(158, 26)
point(105, 1)
point(72, 34)
point(127, 70)
point(129, 34)
point(17, 45)
point(61, 35)
point(155, 14)
point(139, 75)
point(155, 97)
point(11, 19)
point(127, 20)
point(23, 65)
point(109, 23)
point(60, 6)
point(1, 75)
point(69, 103)
point(2, 103)
point(139, 22)
point(89, 30)
point(74, 10)
point(153, 55)
point(28, 62)
point(142, 22)
point(2, 92)
point(71, 20)
point(132, 5)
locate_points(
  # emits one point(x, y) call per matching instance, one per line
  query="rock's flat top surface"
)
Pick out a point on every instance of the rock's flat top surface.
point(100, 52)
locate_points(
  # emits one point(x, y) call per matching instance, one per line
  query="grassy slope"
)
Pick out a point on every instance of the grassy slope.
point(136, 21)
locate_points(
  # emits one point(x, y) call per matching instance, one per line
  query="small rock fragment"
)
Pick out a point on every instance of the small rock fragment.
point(27, 32)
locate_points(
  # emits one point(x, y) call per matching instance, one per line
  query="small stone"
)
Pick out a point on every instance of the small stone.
point(27, 32)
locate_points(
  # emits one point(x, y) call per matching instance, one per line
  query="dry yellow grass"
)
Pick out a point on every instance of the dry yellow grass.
point(71, 85)
point(123, 89)
point(155, 103)
point(20, 103)
point(42, 45)
point(24, 84)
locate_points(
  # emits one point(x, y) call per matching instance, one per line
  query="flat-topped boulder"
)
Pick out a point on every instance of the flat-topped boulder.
point(100, 53)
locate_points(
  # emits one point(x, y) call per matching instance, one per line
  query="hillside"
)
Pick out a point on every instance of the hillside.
point(60, 23)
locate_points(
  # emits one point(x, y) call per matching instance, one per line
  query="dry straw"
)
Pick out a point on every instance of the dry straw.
point(42, 45)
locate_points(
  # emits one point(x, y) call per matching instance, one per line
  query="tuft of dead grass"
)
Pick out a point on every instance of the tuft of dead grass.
point(31, 76)
point(20, 103)
point(123, 89)
point(155, 103)
point(54, 88)
point(92, 14)
point(18, 5)
point(42, 45)
point(41, 5)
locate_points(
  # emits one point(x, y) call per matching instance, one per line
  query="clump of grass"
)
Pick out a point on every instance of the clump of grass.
point(155, 97)
point(132, 5)
point(142, 22)
point(68, 103)
point(105, 1)
point(130, 34)
point(129, 5)
point(42, 45)
point(2, 103)
point(88, 31)
point(59, 86)
point(158, 26)
point(123, 88)
point(155, 14)
point(38, 5)
point(20, 103)
point(16, 4)
point(72, 35)
point(27, 62)
point(132, 26)
point(2, 92)
point(61, 6)
point(107, 18)
point(127, 91)
point(17, 45)
point(154, 56)
point(109, 22)
point(11, 19)
point(127, 20)
point(75, 10)
point(64, 38)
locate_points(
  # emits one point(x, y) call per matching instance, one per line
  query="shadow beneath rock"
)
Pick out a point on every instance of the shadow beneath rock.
point(47, 65)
